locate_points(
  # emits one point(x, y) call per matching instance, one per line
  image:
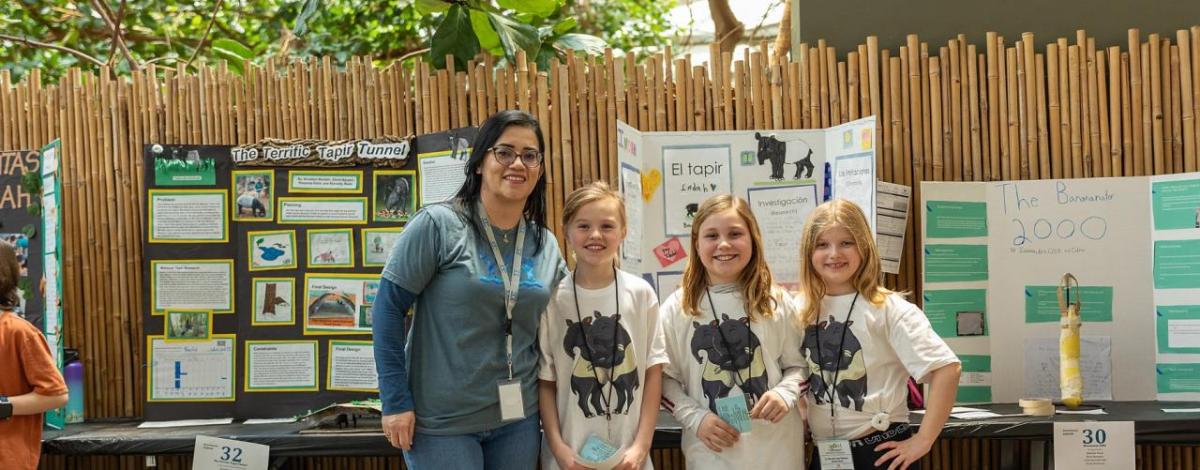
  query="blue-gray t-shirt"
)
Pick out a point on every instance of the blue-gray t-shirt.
point(456, 353)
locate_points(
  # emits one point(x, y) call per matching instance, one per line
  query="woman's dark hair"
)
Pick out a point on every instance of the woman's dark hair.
point(465, 201)
point(10, 273)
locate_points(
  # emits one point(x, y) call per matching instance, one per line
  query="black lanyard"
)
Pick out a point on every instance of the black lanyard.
point(829, 386)
point(612, 361)
point(736, 375)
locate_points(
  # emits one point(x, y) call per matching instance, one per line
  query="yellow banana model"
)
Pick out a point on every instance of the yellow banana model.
point(1070, 380)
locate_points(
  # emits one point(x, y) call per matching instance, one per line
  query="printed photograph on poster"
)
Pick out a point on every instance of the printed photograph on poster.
point(188, 215)
point(692, 174)
point(253, 192)
point(191, 284)
point(187, 325)
point(192, 371)
point(325, 181)
point(280, 366)
point(323, 210)
point(180, 167)
point(20, 244)
point(272, 249)
point(273, 301)
point(332, 248)
point(377, 245)
point(441, 174)
point(339, 303)
point(788, 160)
point(352, 367)
point(395, 195)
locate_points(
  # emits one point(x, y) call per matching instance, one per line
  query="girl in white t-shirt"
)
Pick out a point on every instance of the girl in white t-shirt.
point(601, 348)
point(862, 342)
point(735, 370)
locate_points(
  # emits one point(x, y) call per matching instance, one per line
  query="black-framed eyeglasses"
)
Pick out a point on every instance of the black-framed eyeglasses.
point(507, 155)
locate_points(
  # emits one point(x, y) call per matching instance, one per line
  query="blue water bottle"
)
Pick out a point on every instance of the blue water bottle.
point(73, 373)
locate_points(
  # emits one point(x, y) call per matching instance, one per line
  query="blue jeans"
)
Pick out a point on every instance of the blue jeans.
point(511, 446)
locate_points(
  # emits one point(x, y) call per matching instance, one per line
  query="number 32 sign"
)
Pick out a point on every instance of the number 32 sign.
point(214, 453)
point(1093, 445)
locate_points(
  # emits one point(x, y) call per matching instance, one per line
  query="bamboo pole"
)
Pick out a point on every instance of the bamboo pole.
point(1075, 138)
point(1102, 95)
point(1156, 117)
point(1187, 119)
point(992, 167)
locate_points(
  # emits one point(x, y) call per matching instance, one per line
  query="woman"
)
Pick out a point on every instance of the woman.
point(467, 395)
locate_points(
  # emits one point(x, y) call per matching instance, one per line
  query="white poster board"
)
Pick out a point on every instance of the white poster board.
point(1132, 243)
point(780, 173)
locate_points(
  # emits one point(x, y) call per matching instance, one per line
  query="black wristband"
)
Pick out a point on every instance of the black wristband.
point(6, 409)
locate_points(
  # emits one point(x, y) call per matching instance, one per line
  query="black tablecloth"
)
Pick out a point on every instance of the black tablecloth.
point(1152, 426)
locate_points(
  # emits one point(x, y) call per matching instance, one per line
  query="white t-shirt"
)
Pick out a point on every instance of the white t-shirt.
point(583, 391)
point(884, 345)
point(691, 383)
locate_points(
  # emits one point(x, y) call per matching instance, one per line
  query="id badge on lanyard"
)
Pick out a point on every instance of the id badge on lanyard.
point(512, 403)
point(835, 454)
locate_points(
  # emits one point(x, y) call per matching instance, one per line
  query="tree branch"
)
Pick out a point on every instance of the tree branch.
point(728, 29)
point(783, 41)
point(204, 39)
point(115, 28)
point(31, 42)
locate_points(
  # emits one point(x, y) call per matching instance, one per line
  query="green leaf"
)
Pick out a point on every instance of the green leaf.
point(515, 36)
point(565, 26)
point(582, 43)
point(542, 8)
point(236, 49)
point(454, 36)
point(429, 7)
point(488, 39)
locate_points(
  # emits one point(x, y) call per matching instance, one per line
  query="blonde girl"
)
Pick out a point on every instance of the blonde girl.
point(601, 348)
point(862, 342)
point(729, 339)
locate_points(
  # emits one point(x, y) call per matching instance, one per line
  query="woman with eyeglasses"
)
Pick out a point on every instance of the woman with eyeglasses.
point(479, 269)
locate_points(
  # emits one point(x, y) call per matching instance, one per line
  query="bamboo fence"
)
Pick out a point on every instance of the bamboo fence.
point(950, 112)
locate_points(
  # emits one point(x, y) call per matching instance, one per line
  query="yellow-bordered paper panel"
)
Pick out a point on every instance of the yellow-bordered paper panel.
point(339, 304)
point(377, 244)
point(351, 366)
point(188, 216)
point(191, 371)
point(395, 195)
point(325, 181)
point(274, 301)
point(271, 249)
point(441, 173)
point(191, 284)
point(323, 210)
point(253, 195)
point(330, 248)
point(187, 325)
point(280, 366)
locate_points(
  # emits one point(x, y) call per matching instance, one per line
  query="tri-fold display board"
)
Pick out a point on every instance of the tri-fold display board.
point(994, 253)
point(781, 173)
point(262, 263)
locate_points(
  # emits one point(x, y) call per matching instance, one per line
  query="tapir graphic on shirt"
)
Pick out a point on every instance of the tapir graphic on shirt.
point(846, 363)
point(601, 361)
point(730, 348)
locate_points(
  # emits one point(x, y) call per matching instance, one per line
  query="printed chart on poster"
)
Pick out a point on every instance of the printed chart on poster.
point(665, 176)
point(995, 254)
point(262, 265)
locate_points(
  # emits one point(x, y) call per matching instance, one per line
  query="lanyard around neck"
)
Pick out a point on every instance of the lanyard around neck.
point(735, 375)
point(512, 283)
point(829, 392)
point(612, 361)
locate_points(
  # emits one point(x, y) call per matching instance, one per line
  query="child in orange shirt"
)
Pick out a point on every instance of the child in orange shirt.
point(30, 384)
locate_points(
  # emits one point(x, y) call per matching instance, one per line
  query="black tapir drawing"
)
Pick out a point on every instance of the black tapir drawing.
point(740, 353)
point(775, 150)
point(601, 361)
point(848, 363)
point(398, 196)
